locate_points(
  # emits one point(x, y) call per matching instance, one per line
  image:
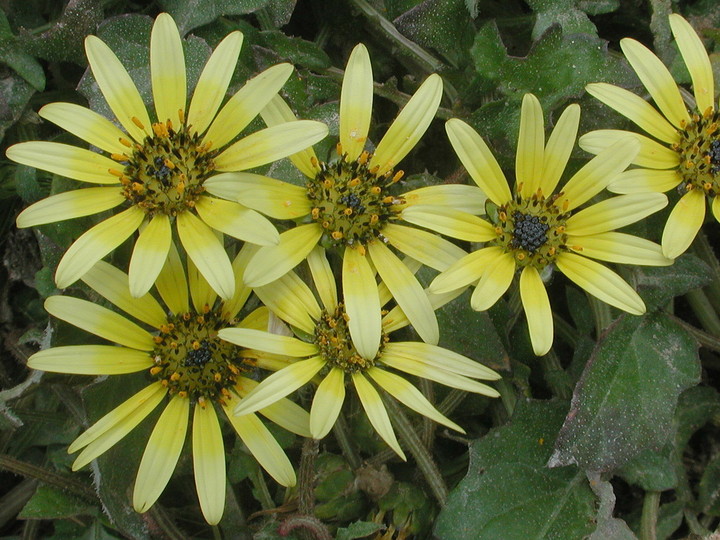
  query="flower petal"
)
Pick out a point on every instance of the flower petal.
point(233, 305)
point(95, 243)
point(201, 293)
point(265, 341)
point(658, 81)
point(716, 208)
point(149, 255)
point(85, 124)
point(161, 454)
point(207, 253)
point(478, 160)
point(450, 222)
point(423, 246)
point(470, 199)
point(696, 60)
point(326, 404)
point(167, 70)
point(530, 148)
point(245, 105)
point(683, 224)
point(537, 310)
point(65, 160)
point(375, 410)
point(652, 154)
point(214, 81)
point(172, 284)
point(237, 221)
point(362, 303)
point(441, 359)
point(284, 413)
point(466, 270)
point(495, 280)
point(619, 248)
point(272, 262)
point(410, 396)
point(356, 99)
point(323, 278)
point(559, 147)
point(636, 109)
point(208, 463)
point(644, 180)
point(409, 126)
point(118, 88)
point(614, 213)
point(601, 282)
point(291, 300)
point(70, 204)
point(90, 360)
point(279, 384)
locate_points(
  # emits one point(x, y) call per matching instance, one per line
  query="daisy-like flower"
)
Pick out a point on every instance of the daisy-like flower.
point(158, 170)
point(535, 228)
point(684, 152)
point(352, 205)
point(325, 348)
point(192, 372)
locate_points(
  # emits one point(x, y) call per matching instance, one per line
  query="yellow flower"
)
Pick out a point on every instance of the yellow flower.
point(686, 153)
point(535, 228)
point(352, 205)
point(327, 349)
point(158, 170)
point(193, 371)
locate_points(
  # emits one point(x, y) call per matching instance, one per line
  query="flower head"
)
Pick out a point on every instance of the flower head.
point(157, 170)
point(326, 350)
point(192, 370)
point(534, 228)
point(684, 152)
point(353, 205)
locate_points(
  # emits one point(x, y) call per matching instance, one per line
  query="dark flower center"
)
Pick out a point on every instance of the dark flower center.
point(699, 150)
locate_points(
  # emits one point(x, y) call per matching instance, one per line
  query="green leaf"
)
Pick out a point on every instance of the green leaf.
point(510, 493)
point(52, 503)
point(562, 12)
point(608, 527)
point(652, 470)
point(15, 93)
point(296, 50)
point(659, 284)
point(359, 529)
point(193, 13)
point(709, 489)
point(626, 397)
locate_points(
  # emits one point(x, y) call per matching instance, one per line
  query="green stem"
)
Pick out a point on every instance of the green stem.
point(422, 456)
point(565, 331)
point(704, 339)
point(266, 500)
point(340, 430)
point(427, 426)
point(264, 20)
point(452, 401)
point(507, 396)
point(306, 476)
point(165, 522)
point(555, 376)
point(601, 314)
point(648, 520)
point(704, 311)
point(10, 464)
point(704, 250)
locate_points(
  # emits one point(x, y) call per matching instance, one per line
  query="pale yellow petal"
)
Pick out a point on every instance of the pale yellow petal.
point(470, 199)
point(440, 359)
point(284, 413)
point(619, 248)
point(466, 270)
point(213, 82)
point(70, 204)
point(232, 306)
point(90, 360)
point(716, 208)
point(410, 396)
point(530, 147)
point(614, 213)
point(270, 144)
point(208, 463)
point(601, 282)
point(697, 61)
point(245, 105)
point(172, 283)
point(495, 280)
point(450, 222)
point(149, 254)
point(537, 310)
point(117, 87)
point(208, 254)
point(326, 404)
point(66, 160)
point(356, 98)
point(272, 262)
point(683, 224)
point(201, 293)
point(362, 303)
point(95, 243)
point(167, 70)
point(395, 318)
point(237, 221)
point(279, 384)
point(323, 278)
point(409, 127)
point(265, 341)
point(113, 285)
point(559, 147)
point(430, 249)
point(85, 124)
point(478, 160)
point(652, 154)
point(636, 109)
point(658, 81)
point(406, 290)
point(375, 410)
point(644, 180)
point(291, 300)
point(161, 454)
point(277, 199)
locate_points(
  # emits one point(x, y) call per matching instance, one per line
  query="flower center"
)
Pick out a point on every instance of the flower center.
point(699, 150)
point(332, 336)
point(532, 229)
point(192, 361)
point(351, 202)
point(165, 173)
